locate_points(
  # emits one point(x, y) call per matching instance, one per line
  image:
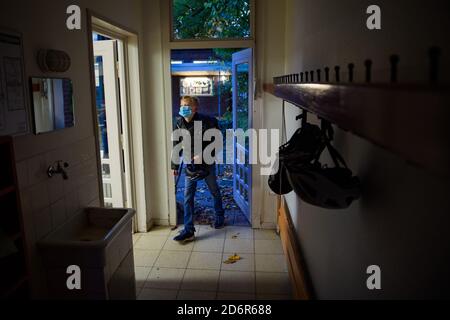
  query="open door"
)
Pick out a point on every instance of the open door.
point(242, 119)
point(109, 121)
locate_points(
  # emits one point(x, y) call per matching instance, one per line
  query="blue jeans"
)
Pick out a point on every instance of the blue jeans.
point(190, 187)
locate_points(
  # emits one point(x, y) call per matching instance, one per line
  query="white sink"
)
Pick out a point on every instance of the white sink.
point(99, 241)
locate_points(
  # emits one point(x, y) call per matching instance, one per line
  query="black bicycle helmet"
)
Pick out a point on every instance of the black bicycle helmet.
point(196, 172)
point(330, 188)
point(278, 181)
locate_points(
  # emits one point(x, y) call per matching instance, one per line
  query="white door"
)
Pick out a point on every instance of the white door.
point(242, 119)
point(109, 121)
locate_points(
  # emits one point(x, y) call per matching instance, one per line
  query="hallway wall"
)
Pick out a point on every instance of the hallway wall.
point(402, 219)
point(48, 203)
point(270, 60)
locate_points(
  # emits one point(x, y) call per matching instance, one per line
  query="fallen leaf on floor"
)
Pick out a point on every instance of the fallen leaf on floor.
point(232, 259)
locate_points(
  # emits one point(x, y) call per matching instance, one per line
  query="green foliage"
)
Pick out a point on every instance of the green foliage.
point(216, 19)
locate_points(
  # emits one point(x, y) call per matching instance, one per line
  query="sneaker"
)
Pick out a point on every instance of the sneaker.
point(185, 236)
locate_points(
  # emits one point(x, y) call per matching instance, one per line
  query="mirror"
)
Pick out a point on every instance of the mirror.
point(52, 104)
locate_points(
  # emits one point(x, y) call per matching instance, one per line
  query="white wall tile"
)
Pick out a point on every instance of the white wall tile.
point(72, 204)
point(55, 188)
point(37, 170)
point(58, 213)
point(39, 196)
point(88, 193)
point(22, 174)
point(42, 223)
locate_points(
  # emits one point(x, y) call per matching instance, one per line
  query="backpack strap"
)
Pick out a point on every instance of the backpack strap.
point(328, 132)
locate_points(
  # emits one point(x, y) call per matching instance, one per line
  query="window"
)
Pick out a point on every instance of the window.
point(211, 19)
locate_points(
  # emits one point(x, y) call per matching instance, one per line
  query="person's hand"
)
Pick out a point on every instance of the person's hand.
point(175, 173)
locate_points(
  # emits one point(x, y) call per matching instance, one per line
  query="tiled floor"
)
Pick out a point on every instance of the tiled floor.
point(168, 270)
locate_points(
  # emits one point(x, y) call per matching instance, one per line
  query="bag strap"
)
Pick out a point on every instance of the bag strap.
point(328, 132)
point(283, 140)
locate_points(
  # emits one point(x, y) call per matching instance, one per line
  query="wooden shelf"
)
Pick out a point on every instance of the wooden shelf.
point(409, 120)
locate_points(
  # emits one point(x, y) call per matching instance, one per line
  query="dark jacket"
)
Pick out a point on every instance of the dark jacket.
point(207, 123)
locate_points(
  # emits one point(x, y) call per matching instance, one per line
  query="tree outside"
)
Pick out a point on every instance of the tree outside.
point(211, 19)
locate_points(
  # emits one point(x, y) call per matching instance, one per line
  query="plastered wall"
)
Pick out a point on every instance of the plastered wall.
point(401, 221)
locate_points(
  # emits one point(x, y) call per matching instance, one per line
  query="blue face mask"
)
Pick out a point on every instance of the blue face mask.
point(185, 111)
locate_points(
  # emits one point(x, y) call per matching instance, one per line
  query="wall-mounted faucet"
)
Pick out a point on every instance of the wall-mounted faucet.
point(58, 168)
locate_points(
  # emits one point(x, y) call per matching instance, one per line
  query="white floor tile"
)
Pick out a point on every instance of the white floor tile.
point(209, 245)
point(148, 242)
point(165, 278)
point(266, 235)
point(205, 261)
point(239, 246)
point(172, 245)
point(239, 232)
point(141, 275)
point(145, 258)
point(206, 232)
point(273, 283)
point(246, 264)
point(160, 231)
point(173, 259)
point(200, 280)
point(237, 281)
point(136, 237)
point(271, 263)
point(268, 247)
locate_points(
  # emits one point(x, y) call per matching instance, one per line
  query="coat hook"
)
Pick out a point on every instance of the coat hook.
point(368, 64)
point(394, 67)
point(337, 70)
point(312, 75)
point(434, 54)
point(319, 75)
point(351, 69)
point(327, 74)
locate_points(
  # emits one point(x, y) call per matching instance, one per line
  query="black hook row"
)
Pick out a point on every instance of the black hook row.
point(434, 55)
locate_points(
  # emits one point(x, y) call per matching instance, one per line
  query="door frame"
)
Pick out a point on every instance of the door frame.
point(168, 45)
point(133, 103)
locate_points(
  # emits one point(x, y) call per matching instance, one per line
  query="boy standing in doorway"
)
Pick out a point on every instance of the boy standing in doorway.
point(187, 117)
